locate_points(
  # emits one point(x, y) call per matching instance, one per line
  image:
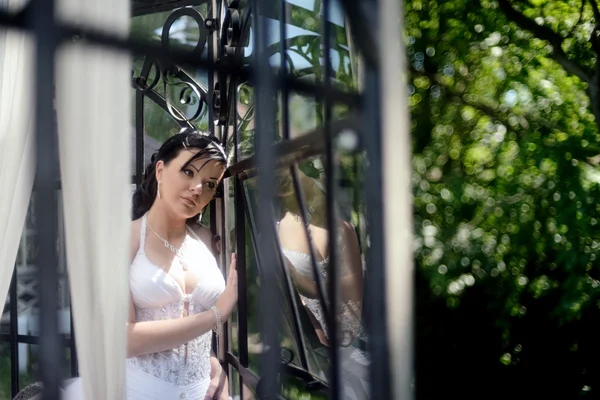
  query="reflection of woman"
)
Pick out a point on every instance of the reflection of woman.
point(295, 248)
point(178, 294)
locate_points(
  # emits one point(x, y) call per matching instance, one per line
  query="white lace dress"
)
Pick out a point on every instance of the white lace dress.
point(354, 362)
point(183, 372)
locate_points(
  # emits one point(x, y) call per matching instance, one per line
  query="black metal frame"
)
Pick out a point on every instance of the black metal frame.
point(225, 72)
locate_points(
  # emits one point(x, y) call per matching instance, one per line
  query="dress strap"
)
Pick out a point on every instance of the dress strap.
point(142, 249)
point(190, 230)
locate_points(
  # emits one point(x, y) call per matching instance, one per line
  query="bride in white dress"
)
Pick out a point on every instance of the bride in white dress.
point(296, 249)
point(178, 293)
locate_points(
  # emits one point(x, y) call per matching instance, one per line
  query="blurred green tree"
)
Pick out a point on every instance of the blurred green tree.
point(504, 109)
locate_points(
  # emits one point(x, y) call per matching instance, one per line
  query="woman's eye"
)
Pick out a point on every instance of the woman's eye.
point(211, 185)
point(188, 172)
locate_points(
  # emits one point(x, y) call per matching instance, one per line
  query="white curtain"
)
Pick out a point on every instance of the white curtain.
point(94, 123)
point(17, 166)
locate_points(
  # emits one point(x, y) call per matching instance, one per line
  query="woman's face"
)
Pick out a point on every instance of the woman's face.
point(188, 191)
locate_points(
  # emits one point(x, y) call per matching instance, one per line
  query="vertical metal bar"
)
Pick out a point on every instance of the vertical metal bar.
point(212, 56)
point(46, 34)
point(240, 247)
point(285, 110)
point(376, 321)
point(14, 331)
point(211, 130)
point(397, 190)
point(139, 137)
point(293, 169)
point(73, 346)
point(285, 126)
point(64, 273)
point(212, 206)
point(265, 119)
point(240, 233)
point(222, 232)
point(332, 239)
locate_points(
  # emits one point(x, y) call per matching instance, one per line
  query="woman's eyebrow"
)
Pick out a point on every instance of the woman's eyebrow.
point(197, 170)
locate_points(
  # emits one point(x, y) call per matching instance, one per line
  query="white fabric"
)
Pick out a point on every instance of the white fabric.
point(183, 372)
point(354, 362)
point(157, 296)
point(141, 386)
point(17, 167)
point(349, 311)
point(94, 121)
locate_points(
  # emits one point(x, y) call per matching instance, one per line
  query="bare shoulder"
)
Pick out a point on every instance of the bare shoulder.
point(134, 238)
point(349, 233)
point(203, 233)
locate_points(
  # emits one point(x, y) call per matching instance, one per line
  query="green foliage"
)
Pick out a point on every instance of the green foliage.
point(505, 202)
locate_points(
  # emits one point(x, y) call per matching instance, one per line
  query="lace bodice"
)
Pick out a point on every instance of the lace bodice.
point(158, 296)
point(349, 311)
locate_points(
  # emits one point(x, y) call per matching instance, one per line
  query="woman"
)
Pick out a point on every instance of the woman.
point(296, 250)
point(178, 293)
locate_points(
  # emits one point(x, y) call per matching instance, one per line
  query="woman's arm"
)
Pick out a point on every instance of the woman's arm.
point(155, 336)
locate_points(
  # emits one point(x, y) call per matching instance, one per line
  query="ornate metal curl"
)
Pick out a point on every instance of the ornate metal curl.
point(229, 53)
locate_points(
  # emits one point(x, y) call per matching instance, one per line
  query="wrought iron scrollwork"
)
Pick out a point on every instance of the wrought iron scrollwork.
point(197, 17)
point(229, 52)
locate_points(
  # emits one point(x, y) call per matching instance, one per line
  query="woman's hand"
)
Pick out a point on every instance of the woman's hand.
point(229, 297)
point(218, 388)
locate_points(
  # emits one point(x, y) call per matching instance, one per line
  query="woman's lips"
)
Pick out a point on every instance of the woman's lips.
point(189, 202)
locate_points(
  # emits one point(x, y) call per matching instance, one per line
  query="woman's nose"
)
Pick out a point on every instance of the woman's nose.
point(196, 188)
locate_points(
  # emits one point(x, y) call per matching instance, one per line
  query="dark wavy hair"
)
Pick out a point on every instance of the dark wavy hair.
point(209, 149)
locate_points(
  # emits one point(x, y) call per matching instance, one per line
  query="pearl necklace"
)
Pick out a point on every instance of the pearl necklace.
point(176, 251)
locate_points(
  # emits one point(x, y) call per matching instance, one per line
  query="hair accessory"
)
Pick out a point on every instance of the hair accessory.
point(210, 139)
point(220, 148)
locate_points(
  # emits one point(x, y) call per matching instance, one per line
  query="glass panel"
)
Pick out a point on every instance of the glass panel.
point(352, 210)
point(28, 282)
point(27, 279)
point(5, 376)
point(5, 317)
point(305, 45)
point(290, 343)
point(295, 389)
point(305, 60)
point(234, 383)
point(297, 252)
point(29, 368)
point(255, 346)
point(253, 290)
point(245, 120)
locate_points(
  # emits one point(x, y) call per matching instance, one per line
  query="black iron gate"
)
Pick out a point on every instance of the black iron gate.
point(226, 29)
